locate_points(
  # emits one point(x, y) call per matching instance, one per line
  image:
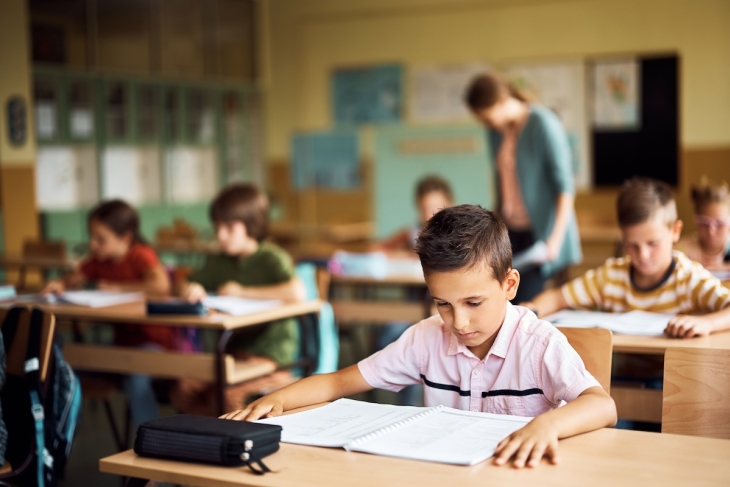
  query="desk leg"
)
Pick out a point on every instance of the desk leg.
point(220, 372)
point(309, 327)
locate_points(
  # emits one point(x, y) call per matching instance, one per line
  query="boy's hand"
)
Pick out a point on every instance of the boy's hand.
point(266, 407)
point(684, 326)
point(231, 288)
point(529, 444)
point(53, 287)
point(193, 292)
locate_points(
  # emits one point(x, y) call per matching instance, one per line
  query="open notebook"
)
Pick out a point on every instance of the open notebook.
point(437, 434)
point(631, 323)
point(239, 306)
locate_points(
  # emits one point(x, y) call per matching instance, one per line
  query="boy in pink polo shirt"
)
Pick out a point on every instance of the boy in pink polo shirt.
point(480, 353)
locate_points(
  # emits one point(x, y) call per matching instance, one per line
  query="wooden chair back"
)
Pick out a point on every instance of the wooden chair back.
point(595, 347)
point(39, 248)
point(696, 397)
point(15, 352)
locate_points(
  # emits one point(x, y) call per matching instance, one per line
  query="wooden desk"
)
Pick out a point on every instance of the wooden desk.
point(646, 404)
point(379, 311)
point(218, 368)
point(607, 457)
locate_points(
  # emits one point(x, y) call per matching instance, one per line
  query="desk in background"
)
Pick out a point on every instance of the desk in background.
point(24, 263)
point(606, 457)
point(646, 404)
point(218, 367)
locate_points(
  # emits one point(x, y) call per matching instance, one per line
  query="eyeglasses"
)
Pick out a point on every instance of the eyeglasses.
point(712, 223)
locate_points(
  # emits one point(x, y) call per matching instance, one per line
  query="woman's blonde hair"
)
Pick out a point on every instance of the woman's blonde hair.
point(706, 193)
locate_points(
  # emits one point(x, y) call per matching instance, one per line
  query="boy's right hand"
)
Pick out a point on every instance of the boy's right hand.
point(193, 292)
point(265, 407)
point(53, 287)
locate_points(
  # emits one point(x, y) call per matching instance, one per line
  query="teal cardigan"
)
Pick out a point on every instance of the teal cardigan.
point(544, 170)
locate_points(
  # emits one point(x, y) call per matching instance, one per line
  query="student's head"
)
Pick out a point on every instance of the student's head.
point(432, 194)
point(466, 258)
point(647, 215)
point(113, 229)
point(240, 214)
point(712, 214)
point(494, 101)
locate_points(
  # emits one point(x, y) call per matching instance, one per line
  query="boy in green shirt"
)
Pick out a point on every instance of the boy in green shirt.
point(249, 268)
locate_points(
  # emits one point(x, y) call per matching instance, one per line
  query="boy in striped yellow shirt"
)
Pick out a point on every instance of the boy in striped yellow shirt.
point(652, 277)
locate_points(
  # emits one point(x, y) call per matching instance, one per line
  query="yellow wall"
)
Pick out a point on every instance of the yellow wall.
point(17, 164)
point(307, 39)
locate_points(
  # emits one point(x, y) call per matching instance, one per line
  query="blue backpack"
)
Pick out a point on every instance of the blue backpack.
point(41, 417)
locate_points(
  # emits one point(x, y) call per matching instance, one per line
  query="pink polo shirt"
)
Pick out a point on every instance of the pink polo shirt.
point(530, 368)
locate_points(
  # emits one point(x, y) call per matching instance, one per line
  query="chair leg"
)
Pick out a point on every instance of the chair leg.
point(127, 426)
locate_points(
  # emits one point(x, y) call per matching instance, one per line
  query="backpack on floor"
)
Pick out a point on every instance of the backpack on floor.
point(41, 417)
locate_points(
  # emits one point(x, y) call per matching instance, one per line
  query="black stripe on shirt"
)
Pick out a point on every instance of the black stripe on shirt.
point(498, 392)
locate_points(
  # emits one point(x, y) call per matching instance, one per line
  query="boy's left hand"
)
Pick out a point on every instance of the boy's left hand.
point(529, 444)
point(231, 288)
point(685, 326)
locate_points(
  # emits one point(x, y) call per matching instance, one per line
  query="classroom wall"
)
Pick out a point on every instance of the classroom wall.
point(306, 40)
point(17, 163)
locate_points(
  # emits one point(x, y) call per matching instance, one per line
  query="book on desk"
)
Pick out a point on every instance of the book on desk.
point(632, 323)
point(91, 299)
point(436, 434)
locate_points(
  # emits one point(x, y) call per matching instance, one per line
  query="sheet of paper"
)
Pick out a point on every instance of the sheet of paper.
point(631, 323)
point(339, 423)
point(99, 299)
point(641, 323)
point(447, 436)
point(239, 306)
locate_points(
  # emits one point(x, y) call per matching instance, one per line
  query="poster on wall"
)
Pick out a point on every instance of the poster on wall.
point(616, 101)
point(438, 93)
point(562, 88)
point(326, 160)
point(365, 95)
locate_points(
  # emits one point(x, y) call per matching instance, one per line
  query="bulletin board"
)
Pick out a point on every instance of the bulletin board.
point(372, 94)
point(404, 155)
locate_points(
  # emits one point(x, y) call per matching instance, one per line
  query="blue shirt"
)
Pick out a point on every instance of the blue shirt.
point(544, 170)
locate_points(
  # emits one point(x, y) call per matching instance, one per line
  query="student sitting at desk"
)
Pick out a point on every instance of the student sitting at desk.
point(433, 193)
point(480, 353)
point(122, 261)
point(653, 277)
point(250, 268)
point(711, 245)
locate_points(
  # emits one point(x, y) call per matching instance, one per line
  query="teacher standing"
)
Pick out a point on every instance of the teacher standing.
point(536, 189)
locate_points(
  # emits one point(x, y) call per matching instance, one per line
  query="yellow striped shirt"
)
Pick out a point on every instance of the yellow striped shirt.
point(689, 289)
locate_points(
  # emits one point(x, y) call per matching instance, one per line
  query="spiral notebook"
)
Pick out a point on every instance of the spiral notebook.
point(437, 434)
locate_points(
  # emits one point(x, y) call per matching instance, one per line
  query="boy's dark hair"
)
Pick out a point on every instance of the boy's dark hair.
point(485, 90)
point(433, 184)
point(462, 237)
point(245, 203)
point(640, 199)
point(119, 216)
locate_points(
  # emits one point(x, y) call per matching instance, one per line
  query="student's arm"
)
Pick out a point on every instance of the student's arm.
point(192, 292)
point(306, 392)
point(547, 302)
point(564, 208)
point(156, 284)
point(74, 280)
point(591, 410)
point(291, 291)
point(686, 326)
point(398, 241)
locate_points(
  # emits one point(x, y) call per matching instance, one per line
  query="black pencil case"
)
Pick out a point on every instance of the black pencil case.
point(203, 439)
point(176, 308)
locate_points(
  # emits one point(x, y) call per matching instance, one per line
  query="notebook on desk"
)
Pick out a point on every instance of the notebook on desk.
point(631, 323)
point(239, 306)
point(92, 299)
point(437, 434)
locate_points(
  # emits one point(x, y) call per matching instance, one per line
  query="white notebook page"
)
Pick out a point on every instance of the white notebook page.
point(446, 436)
point(240, 306)
point(631, 323)
point(339, 423)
